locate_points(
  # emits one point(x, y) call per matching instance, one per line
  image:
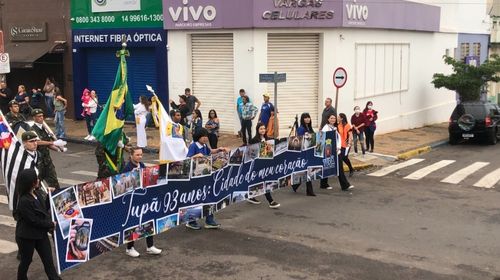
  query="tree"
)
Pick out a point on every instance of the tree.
point(467, 80)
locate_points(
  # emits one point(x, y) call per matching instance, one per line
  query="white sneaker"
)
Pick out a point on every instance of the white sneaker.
point(91, 138)
point(153, 250)
point(87, 137)
point(132, 252)
point(350, 187)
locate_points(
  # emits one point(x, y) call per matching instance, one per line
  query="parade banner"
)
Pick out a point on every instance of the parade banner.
point(96, 217)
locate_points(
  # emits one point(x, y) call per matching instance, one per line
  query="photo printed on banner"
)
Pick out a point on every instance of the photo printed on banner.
point(190, 213)
point(103, 245)
point(237, 156)
point(166, 223)
point(240, 196)
point(201, 166)
point(140, 231)
point(220, 160)
point(271, 186)
point(150, 176)
point(299, 177)
point(125, 182)
point(66, 207)
point(223, 203)
point(308, 141)
point(77, 249)
point(252, 152)
point(314, 172)
point(94, 193)
point(286, 181)
point(320, 144)
point(256, 190)
point(179, 170)
point(280, 146)
point(266, 149)
point(295, 143)
point(209, 209)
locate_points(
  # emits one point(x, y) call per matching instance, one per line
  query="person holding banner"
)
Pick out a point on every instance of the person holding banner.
point(33, 224)
point(345, 132)
point(344, 184)
point(306, 130)
point(135, 163)
point(199, 148)
point(261, 136)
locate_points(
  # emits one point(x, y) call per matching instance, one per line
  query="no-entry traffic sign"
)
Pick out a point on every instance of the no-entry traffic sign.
point(339, 77)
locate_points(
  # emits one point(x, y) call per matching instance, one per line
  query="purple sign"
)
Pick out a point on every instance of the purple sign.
point(221, 14)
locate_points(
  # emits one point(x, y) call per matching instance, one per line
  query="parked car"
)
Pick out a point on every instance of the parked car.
point(475, 120)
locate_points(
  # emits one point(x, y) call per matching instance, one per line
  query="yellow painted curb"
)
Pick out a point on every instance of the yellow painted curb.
point(414, 153)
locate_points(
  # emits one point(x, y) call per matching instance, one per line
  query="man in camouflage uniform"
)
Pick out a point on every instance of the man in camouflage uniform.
point(13, 116)
point(46, 168)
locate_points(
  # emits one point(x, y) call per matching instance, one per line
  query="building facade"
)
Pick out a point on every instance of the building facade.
point(37, 43)
point(97, 33)
point(389, 49)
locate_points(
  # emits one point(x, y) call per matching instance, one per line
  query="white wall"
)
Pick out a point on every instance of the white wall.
point(422, 104)
point(462, 16)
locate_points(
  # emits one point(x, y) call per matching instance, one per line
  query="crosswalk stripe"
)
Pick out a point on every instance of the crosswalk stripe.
point(69, 182)
point(7, 247)
point(489, 180)
point(85, 173)
point(461, 174)
point(392, 168)
point(419, 174)
point(7, 221)
point(3, 199)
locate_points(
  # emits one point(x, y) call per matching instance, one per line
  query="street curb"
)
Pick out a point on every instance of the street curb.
point(358, 167)
point(421, 150)
point(93, 143)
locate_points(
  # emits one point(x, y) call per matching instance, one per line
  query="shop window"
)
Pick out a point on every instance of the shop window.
point(381, 69)
point(464, 51)
point(476, 49)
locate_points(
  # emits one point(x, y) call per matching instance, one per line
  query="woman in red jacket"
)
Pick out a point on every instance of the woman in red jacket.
point(358, 121)
point(371, 117)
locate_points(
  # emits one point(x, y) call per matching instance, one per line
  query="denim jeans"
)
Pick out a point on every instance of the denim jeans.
point(246, 128)
point(49, 102)
point(361, 138)
point(90, 120)
point(59, 121)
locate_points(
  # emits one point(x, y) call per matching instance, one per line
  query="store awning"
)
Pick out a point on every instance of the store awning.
point(24, 54)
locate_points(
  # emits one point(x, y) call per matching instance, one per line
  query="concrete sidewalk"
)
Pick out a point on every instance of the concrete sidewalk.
point(392, 146)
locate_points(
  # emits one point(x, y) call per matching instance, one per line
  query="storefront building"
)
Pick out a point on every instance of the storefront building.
point(98, 31)
point(390, 50)
point(36, 42)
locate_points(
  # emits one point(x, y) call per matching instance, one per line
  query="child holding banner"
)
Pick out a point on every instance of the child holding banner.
point(199, 148)
point(261, 136)
point(135, 162)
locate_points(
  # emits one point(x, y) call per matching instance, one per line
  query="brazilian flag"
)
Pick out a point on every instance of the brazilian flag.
point(108, 129)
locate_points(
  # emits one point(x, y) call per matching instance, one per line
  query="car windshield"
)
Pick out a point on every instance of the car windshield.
point(478, 111)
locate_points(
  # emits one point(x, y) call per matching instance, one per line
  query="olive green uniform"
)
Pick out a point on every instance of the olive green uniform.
point(14, 119)
point(46, 168)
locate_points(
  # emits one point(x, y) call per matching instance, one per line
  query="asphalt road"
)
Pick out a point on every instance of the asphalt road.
point(389, 227)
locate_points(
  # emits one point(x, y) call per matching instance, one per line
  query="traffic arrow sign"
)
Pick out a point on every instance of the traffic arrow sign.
point(339, 77)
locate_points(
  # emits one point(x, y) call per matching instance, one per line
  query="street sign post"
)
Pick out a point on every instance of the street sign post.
point(1, 42)
point(274, 78)
point(339, 80)
point(4, 63)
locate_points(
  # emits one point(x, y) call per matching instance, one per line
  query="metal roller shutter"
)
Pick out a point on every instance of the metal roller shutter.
point(213, 77)
point(102, 64)
point(298, 56)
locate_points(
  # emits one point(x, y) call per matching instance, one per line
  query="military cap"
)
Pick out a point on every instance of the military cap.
point(13, 102)
point(29, 135)
point(36, 112)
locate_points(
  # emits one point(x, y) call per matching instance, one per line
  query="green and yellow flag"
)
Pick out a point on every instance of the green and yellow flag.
point(108, 129)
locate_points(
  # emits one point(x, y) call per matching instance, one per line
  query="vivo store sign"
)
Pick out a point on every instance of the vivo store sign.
point(101, 6)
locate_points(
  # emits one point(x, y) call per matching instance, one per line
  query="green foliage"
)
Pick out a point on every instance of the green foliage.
point(467, 80)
